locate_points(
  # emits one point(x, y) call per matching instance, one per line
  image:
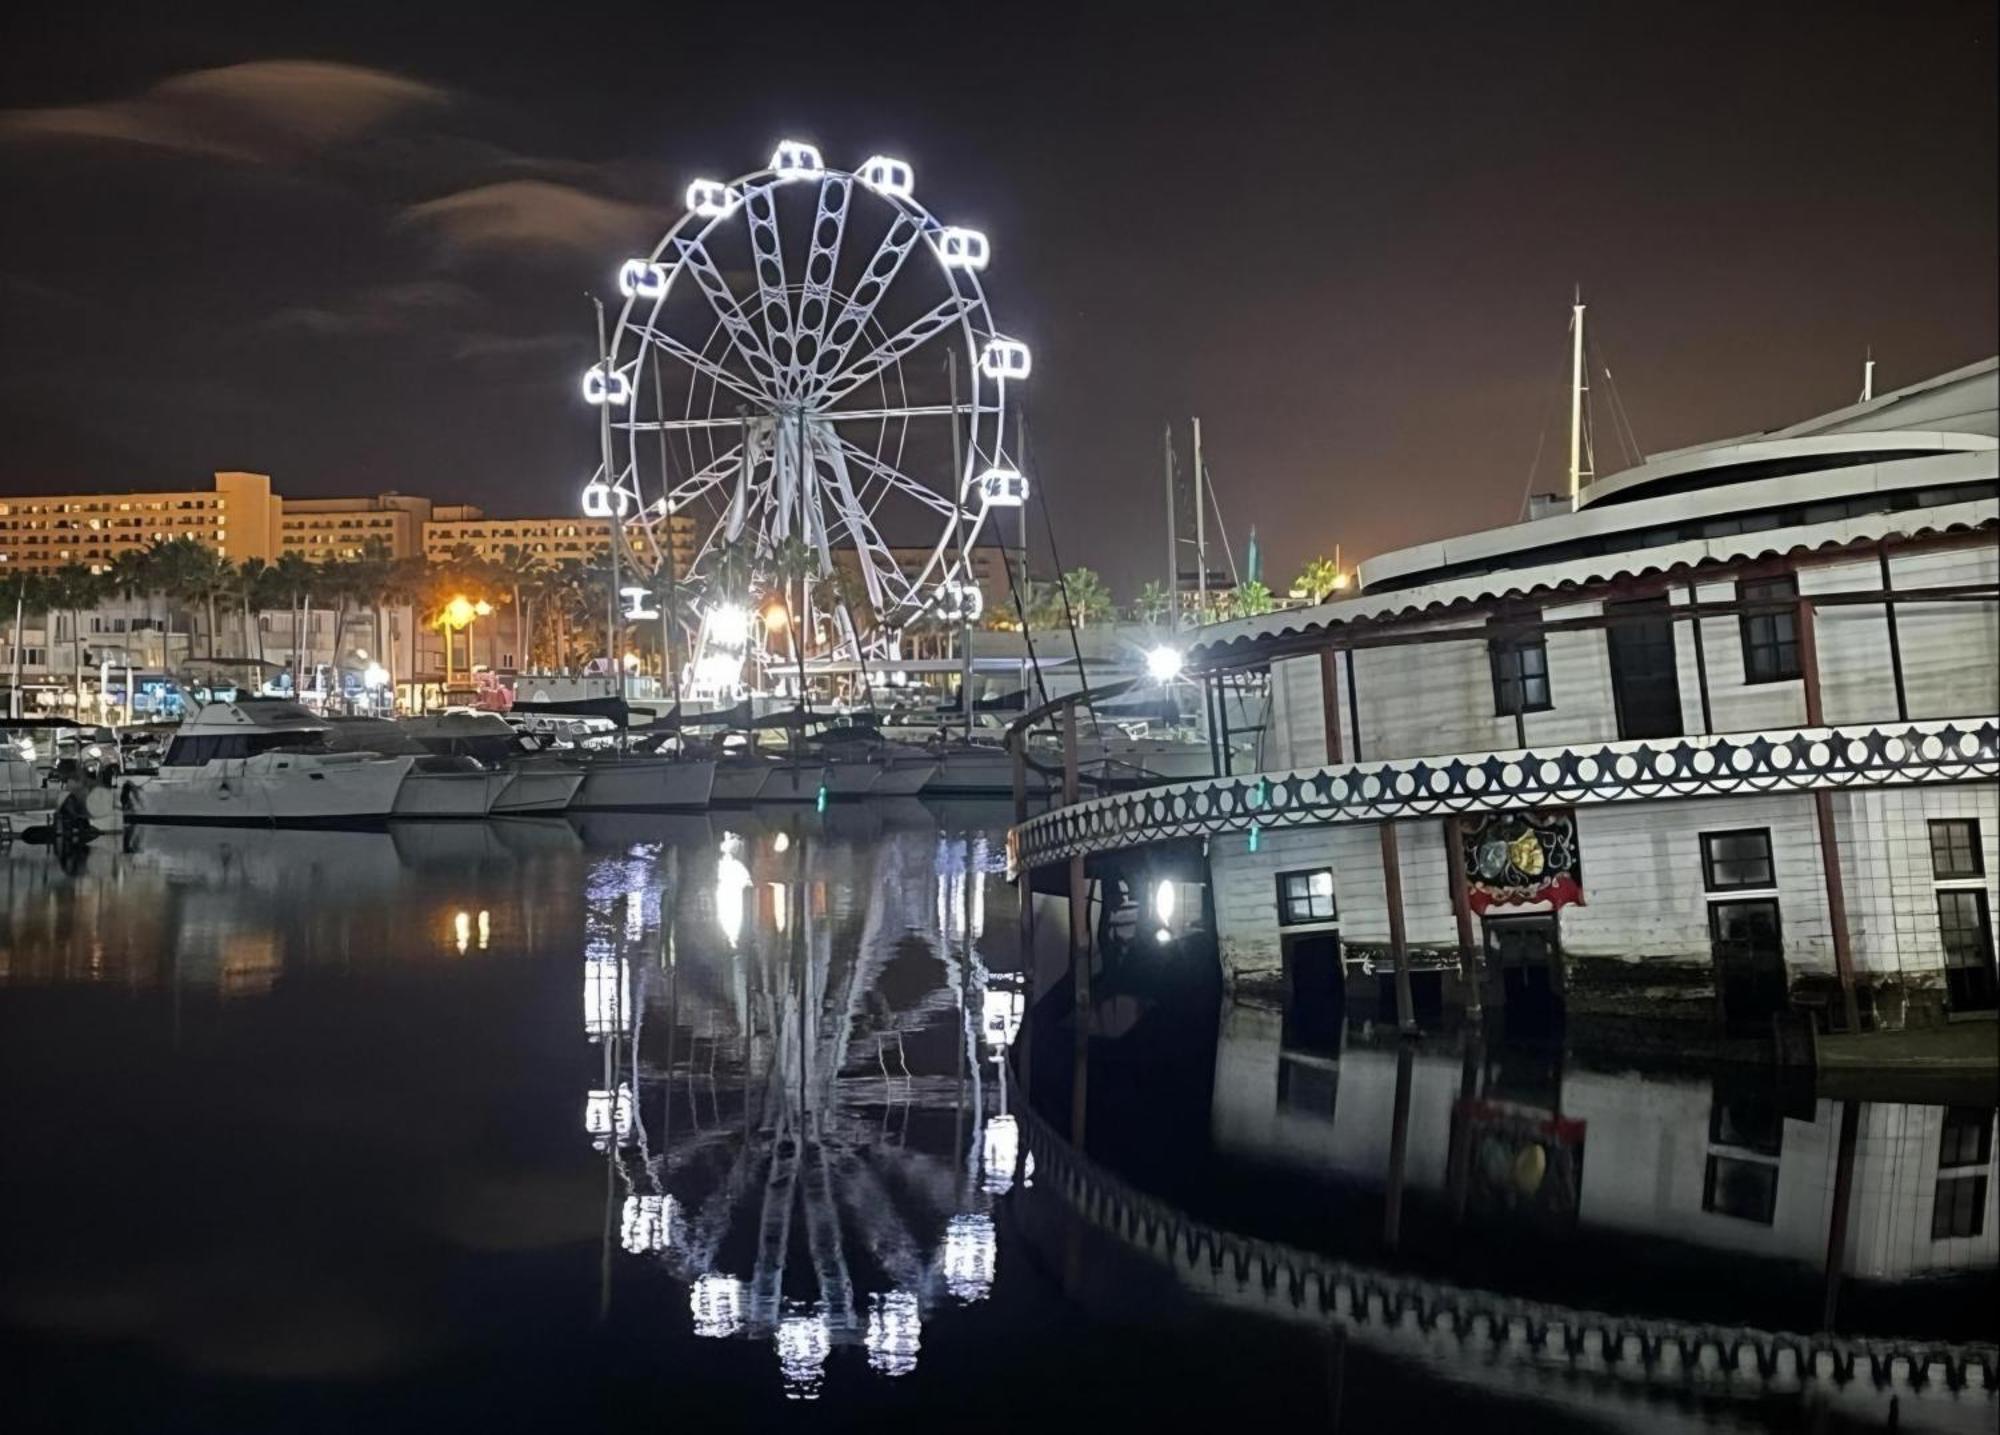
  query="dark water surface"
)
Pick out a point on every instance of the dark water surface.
point(662, 1121)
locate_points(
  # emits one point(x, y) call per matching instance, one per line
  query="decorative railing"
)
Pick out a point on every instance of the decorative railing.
point(1790, 760)
point(1474, 1328)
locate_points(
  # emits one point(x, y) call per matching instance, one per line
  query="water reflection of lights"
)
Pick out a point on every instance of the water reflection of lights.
point(968, 1256)
point(895, 1326)
point(781, 843)
point(997, 1156)
point(731, 879)
point(778, 913)
point(606, 995)
point(607, 1114)
point(803, 1343)
point(647, 1224)
point(463, 925)
point(716, 1302)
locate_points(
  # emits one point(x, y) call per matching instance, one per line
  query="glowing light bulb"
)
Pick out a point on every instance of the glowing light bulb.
point(1163, 663)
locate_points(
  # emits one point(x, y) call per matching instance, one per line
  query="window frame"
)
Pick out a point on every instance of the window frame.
point(1759, 672)
point(1769, 1171)
point(1959, 1123)
point(1499, 651)
point(1975, 851)
point(1710, 883)
point(1974, 1184)
point(1286, 916)
point(1981, 925)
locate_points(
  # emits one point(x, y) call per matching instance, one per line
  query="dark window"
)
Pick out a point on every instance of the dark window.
point(1306, 897)
point(1771, 638)
point(1747, 1118)
point(1747, 1190)
point(1955, 848)
point(1308, 1088)
point(1966, 928)
point(1731, 861)
point(1968, 1137)
point(1749, 949)
point(1960, 1208)
point(1520, 675)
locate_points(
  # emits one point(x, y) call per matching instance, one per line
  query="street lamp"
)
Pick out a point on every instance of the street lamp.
point(1163, 663)
point(459, 614)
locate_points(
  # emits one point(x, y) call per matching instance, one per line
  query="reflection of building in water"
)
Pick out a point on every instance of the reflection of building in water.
point(1709, 1163)
point(803, 1033)
point(231, 911)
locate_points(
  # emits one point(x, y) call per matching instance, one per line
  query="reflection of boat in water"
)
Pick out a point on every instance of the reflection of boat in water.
point(261, 762)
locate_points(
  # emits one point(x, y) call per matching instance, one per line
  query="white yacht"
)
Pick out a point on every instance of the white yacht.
point(615, 783)
point(534, 785)
point(264, 762)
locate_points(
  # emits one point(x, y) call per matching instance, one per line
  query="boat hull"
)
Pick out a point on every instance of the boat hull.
point(801, 781)
point(625, 785)
point(977, 773)
point(903, 779)
point(437, 796)
point(258, 793)
point(538, 791)
point(738, 782)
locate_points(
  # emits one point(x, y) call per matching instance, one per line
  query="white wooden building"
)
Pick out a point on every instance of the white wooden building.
point(1716, 747)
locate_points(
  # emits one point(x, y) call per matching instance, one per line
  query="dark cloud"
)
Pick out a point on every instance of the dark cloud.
point(259, 112)
point(387, 309)
point(532, 216)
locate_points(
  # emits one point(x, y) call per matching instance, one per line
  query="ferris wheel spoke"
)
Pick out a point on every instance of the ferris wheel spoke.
point(702, 364)
point(767, 257)
point(696, 484)
point(899, 346)
point(915, 411)
point(722, 299)
point(896, 478)
point(895, 247)
point(816, 298)
point(867, 542)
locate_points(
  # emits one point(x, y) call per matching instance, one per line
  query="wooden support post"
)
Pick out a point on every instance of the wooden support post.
point(1895, 637)
point(1829, 850)
point(1353, 709)
point(1079, 943)
point(1017, 745)
point(1024, 889)
point(1843, 1198)
point(1399, 947)
point(1399, 1148)
point(1470, 970)
point(1701, 665)
point(1329, 703)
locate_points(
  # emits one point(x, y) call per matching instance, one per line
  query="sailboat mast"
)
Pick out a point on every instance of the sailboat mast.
point(1200, 535)
point(1576, 391)
point(1173, 541)
point(1868, 376)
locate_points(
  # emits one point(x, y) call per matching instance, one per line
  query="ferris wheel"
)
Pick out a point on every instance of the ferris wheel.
point(806, 367)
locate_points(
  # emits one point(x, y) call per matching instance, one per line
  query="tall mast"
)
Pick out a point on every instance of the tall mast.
point(1577, 387)
point(1868, 375)
point(1173, 542)
point(1200, 536)
point(617, 513)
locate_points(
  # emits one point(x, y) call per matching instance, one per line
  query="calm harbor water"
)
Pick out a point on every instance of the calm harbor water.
point(543, 1124)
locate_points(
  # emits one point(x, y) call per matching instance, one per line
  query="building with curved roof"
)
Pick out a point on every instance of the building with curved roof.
point(1717, 747)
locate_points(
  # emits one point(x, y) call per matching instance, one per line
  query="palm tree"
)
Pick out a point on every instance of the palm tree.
point(23, 592)
point(254, 590)
point(74, 588)
point(293, 578)
point(518, 568)
point(1089, 600)
point(1154, 603)
point(1319, 577)
point(1249, 600)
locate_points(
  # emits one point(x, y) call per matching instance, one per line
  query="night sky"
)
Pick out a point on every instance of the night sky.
point(349, 245)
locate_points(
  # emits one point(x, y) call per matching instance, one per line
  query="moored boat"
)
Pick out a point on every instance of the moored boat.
point(615, 783)
point(264, 762)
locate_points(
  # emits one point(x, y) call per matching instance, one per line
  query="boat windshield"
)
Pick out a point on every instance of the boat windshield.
point(195, 751)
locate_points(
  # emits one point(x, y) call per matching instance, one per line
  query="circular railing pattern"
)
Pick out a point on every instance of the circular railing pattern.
point(1707, 1359)
point(1794, 760)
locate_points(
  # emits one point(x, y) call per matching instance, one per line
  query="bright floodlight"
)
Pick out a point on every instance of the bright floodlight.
point(889, 176)
point(1164, 663)
point(712, 199)
point(796, 160)
point(1165, 900)
point(959, 602)
point(636, 606)
point(375, 677)
point(601, 387)
point(729, 624)
point(642, 279)
point(1002, 488)
point(963, 248)
point(1004, 359)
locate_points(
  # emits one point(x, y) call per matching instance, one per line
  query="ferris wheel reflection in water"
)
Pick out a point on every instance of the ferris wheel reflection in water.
point(786, 1027)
